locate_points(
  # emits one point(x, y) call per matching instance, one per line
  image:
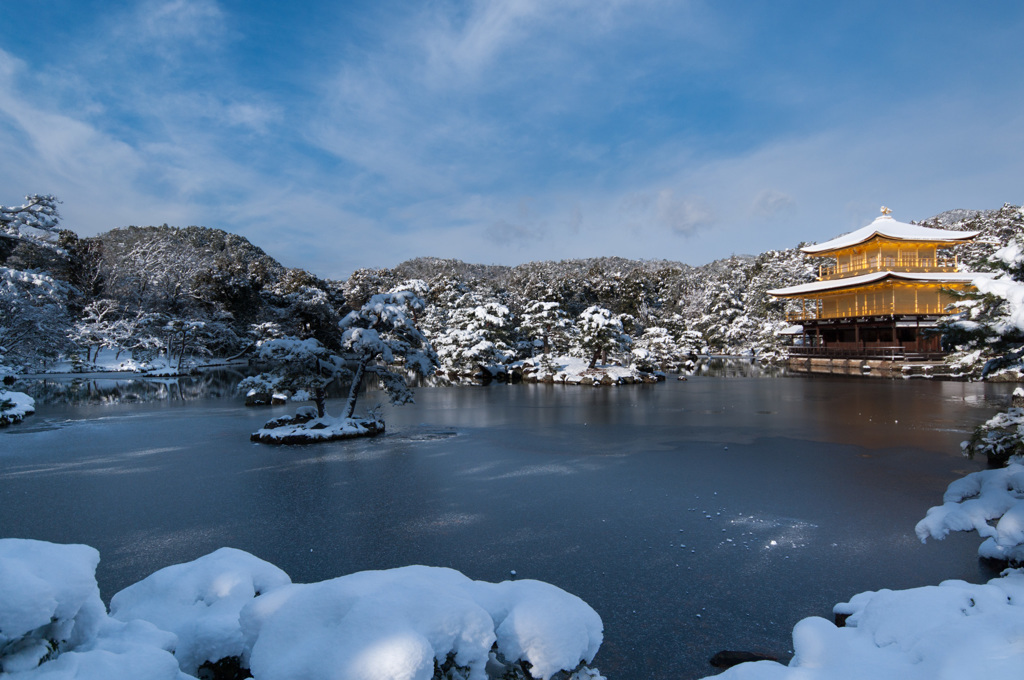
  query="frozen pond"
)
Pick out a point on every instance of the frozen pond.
point(693, 516)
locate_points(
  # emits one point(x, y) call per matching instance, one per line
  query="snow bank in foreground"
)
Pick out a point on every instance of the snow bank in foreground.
point(953, 630)
point(14, 406)
point(400, 623)
point(394, 624)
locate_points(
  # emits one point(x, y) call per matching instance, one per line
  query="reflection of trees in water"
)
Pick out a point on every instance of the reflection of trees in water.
point(737, 367)
point(222, 383)
point(97, 390)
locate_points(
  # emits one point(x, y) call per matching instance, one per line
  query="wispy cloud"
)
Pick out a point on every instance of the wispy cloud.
point(170, 26)
point(508, 130)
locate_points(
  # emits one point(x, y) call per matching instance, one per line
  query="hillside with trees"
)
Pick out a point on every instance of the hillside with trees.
point(167, 299)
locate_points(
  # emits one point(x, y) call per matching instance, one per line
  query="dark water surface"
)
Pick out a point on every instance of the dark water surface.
point(789, 495)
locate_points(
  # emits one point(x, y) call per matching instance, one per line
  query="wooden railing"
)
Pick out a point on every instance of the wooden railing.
point(863, 310)
point(887, 353)
point(891, 352)
point(878, 263)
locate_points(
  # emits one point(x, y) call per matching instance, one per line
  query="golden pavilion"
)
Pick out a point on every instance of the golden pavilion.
point(880, 290)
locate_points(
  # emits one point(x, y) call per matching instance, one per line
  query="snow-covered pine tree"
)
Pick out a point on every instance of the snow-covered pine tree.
point(544, 325)
point(600, 333)
point(380, 339)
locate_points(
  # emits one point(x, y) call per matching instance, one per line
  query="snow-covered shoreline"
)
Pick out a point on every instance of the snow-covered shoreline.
point(952, 630)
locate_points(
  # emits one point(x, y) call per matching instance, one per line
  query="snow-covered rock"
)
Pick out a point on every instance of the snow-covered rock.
point(54, 626)
point(50, 600)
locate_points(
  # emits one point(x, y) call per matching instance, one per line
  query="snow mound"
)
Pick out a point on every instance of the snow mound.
point(953, 630)
point(376, 625)
point(199, 601)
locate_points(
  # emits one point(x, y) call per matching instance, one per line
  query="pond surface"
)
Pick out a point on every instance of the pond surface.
point(693, 516)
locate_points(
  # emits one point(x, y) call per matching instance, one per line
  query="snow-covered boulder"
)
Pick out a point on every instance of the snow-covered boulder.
point(200, 601)
point(396, 623)
point(50, 600)
point(953, 630)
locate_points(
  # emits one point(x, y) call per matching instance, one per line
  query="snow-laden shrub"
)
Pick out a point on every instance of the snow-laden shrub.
point(414, 623)
point(990, 502)
point(1001, 436)
point(953, 630)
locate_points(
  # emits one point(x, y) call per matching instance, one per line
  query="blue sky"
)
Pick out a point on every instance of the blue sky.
point(339, 135)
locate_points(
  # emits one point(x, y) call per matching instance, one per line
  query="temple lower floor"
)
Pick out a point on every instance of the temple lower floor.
point(889, 336)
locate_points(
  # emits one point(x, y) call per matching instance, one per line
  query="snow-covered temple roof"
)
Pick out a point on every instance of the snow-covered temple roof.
point(889, 228)
point(866, 279)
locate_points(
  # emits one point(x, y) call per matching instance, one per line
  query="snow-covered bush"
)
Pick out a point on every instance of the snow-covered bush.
point(1001, 436)
point(403, 622)
point(953, 630)
point(200, 601)
point(990, 502)
point(53, 625)
point(986, 338)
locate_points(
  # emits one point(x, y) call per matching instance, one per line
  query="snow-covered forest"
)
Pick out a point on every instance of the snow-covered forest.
point(172, 298)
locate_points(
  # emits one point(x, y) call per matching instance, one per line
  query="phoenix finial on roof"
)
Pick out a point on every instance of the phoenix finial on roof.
point(886, 211)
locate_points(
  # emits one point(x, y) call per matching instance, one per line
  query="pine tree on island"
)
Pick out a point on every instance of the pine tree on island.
point(380, 339)
point(601, 332)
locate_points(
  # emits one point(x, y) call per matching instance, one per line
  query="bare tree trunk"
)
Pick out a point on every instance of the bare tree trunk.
point(593, 360)
point(353, 391)
point(182, 355)
point(319, 396)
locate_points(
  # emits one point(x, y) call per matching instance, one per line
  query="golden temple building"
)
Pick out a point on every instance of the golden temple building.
point(880, 292)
